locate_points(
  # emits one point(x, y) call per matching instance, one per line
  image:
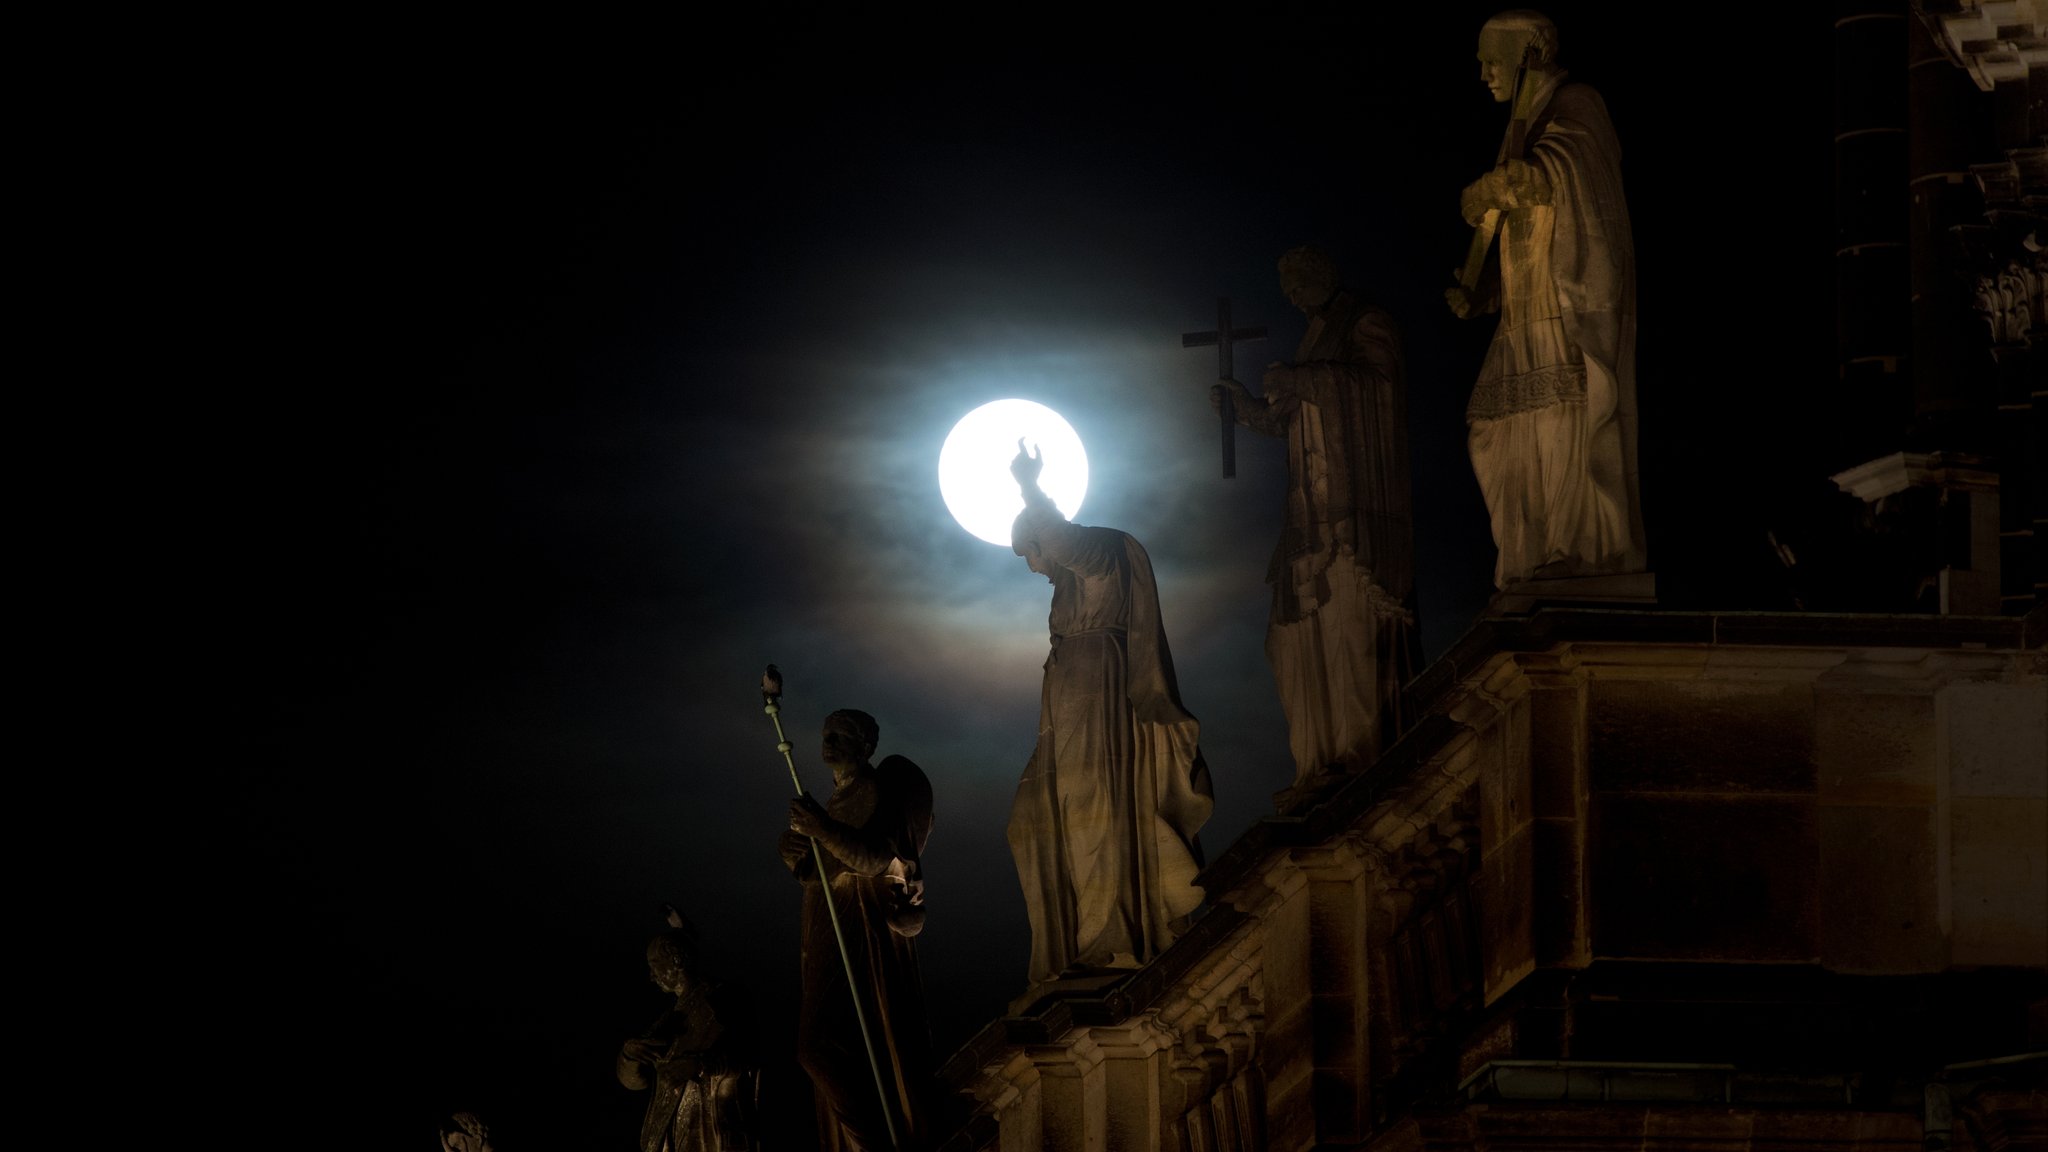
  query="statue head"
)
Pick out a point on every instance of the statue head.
point(1026, 466)
point(463, 1132)
point(672, 955)
point(1501, 43)
point(1024, 542)
point(1308, 277)
point(850, 738)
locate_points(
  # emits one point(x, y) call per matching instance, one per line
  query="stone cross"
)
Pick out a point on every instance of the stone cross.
point(1222, 338)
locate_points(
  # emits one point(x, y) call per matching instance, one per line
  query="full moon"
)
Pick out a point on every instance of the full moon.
point(974, 466)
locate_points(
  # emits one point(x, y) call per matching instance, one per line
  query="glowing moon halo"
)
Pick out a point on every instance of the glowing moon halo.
point(974, 465)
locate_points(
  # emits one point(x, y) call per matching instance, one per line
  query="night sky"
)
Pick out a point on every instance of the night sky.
point(598, 367)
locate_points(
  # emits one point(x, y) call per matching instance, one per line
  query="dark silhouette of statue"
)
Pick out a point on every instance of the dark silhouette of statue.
point(871, 832)
point(1104, 825)
point(1342, 634)
point(694, 1060)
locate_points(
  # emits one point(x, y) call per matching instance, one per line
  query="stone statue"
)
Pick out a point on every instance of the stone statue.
point(1342, 634)
point(1103, 826)
point(872, 832)
point(1552, 419)
point(693, 1057)
point(465, 1132)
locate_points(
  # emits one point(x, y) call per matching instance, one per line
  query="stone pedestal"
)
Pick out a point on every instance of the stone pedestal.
point(1520, 597)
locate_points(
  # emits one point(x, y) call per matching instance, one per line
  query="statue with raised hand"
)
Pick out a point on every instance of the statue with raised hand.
point(1103, 828)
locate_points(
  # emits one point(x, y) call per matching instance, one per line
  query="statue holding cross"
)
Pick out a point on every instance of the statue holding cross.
point(1224, 338)
point(1342, 634)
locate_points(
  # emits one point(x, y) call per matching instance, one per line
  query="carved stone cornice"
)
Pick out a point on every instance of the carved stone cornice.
point(1889, 475)
point(1343, 858)
point(1995, 41)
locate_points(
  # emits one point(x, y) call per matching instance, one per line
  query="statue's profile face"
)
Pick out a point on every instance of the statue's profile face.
point(1500, 53)
point(1033, 556)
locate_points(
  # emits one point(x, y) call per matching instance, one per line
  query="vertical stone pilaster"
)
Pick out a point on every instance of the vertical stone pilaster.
point(1013, 1097)
point(1497, 764)
point(1505, 886)
point(1993, 823)
point(1339, 908)
point(1948, 125)
point(1281, 903)
point(1874, 757)
point(1559, 793)
point(1073, 1094)
point(1872, 276)
point(1134, 1067)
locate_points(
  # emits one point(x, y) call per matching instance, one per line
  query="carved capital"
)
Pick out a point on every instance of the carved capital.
point(1279, 882)
point(2009, 302)
point(1489, 692)
point(1134, 1039)
point(1001, 1086)
point(1077, 1055)
point(1555, 668)
point(1216, 1043)
point(1345, 858)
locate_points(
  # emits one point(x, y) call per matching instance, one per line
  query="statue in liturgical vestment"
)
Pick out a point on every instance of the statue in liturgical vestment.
point(872, 833)
point(694, 1060)
point(1552, 418)
point(1342, 635)
point(1104, 825)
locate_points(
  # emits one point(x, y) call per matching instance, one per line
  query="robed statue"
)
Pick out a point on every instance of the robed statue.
point(695, 1060)
point(1104, 824)
point(871, 835)
point(1341, 636)
point(1552, 418)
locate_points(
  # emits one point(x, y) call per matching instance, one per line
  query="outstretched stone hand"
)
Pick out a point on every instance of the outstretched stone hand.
point(1461, 302)
point(1027, 466)
point(1240, 396)
point(1467, 304)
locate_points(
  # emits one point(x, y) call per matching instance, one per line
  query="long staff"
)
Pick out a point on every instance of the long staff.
point(771, 698)
point(1510, 149)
